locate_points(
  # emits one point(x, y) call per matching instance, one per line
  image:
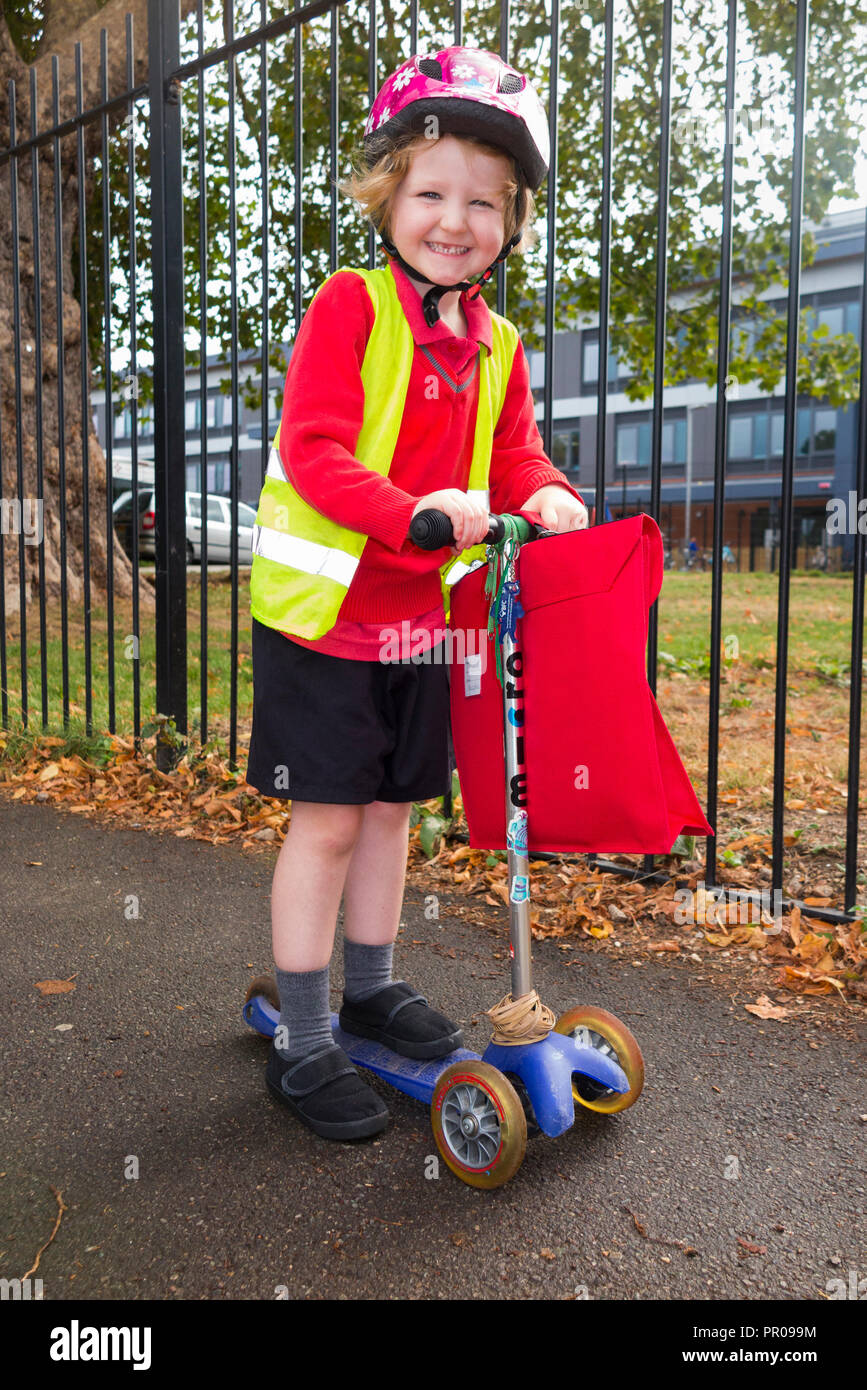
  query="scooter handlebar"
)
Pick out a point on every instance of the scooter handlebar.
point(432, 529)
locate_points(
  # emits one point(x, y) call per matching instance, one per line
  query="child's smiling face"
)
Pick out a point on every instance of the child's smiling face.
point(452, 197)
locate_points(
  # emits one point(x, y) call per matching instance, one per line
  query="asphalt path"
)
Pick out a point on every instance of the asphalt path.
point(140, 1098)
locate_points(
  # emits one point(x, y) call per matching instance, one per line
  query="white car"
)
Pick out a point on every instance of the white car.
point(219, 519)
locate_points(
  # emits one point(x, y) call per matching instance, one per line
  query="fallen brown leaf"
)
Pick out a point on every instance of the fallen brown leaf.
point(765, 1008)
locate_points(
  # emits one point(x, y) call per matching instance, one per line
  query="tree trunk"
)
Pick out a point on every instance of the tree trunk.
point(59, 38)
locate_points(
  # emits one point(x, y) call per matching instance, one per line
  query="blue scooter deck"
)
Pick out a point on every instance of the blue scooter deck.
point(545, 1067)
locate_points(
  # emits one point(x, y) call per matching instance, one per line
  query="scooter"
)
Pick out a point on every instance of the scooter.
point(483, 1106)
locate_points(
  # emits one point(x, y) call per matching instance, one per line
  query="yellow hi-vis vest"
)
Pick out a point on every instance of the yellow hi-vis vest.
point(303, 563)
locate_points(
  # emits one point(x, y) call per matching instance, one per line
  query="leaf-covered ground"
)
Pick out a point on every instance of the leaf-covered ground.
point(572, 901)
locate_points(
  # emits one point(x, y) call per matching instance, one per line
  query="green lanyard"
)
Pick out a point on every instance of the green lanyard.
point(501, 561)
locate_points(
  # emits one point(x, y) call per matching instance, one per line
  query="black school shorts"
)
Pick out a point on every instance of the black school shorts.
point(329, 729)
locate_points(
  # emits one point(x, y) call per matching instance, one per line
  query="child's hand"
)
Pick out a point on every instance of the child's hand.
point(559, 510)
point(469, 519)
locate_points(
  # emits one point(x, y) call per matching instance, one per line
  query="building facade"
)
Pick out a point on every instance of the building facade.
point(825, 445)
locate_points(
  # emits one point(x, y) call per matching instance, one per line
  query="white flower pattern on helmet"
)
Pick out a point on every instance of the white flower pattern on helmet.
point(401, 79)
point(464, 70)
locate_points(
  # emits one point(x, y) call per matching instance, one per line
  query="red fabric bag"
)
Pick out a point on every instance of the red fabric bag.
point(603, 774)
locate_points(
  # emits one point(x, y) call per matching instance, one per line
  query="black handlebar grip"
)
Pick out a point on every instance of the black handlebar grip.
point(432, 529)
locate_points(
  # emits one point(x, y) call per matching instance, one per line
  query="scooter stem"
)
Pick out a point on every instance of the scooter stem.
point(516, 815)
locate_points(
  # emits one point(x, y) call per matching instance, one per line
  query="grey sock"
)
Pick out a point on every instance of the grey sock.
point(365, 968)
point(305, 1011)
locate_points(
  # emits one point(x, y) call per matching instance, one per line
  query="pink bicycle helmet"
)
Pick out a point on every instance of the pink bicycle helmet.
point(471, 92)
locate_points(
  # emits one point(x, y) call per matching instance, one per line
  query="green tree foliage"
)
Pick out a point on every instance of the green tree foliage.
point(837, 94)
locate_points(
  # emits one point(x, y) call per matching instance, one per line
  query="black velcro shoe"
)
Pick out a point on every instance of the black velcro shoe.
point(326, 1093)
point(398, 1017)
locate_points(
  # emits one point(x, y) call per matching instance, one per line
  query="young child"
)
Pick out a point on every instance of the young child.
point(403, 392)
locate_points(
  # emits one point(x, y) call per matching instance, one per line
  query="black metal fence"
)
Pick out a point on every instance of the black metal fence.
point(161, 97)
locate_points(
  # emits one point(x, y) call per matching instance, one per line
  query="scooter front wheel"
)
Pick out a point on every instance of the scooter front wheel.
point(599, 1029)
point(479, 1124)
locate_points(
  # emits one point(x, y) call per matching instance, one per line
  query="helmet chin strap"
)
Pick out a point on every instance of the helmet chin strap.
point(431, 301)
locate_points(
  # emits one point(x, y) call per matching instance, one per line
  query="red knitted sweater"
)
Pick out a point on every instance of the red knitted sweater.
point(323, 407)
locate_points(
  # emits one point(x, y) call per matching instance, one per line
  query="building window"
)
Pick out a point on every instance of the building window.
point(824, 431)
point(837, 318)
point(673, 443)
point(748, 436)
point(853, 319)
point(193, 412)
point(211, 416)
point(144, 422)
point(536, 366)
point(226, 418)
point(741, 437)
point(627, 446)
point(744, 335)
point(760, 436)
point(635, 444)
point(564, 451)
point(219, 477)
point(832, 316)
point(275, 405)
point(802, 432)
point(590, 363)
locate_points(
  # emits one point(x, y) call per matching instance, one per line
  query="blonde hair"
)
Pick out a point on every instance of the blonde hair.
point(374, 189)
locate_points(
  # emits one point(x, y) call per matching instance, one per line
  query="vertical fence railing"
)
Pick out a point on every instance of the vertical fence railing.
point(604, 261)
point(61, 432)
point(659, 340)
point(170, 536)
point(604, 288)
point(203, 384)
point(109, 435)
point(40, 484)
point(659, 327)
point(132, 381)
point(721, 429)
point(550, 268)
point(792, 323)
point(857, 650)
point(233, 376)
point(19, 421)
point(84, 388)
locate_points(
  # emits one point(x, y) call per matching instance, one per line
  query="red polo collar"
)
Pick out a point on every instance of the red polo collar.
point(476, 311)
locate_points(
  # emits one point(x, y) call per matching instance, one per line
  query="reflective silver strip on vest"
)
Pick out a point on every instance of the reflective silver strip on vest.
point(319, 559)
point(275, 467)
point(307, 556)
point(459, 569)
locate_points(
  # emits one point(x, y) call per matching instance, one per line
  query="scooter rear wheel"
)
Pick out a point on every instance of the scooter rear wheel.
point(479, 1124)
point(266, 985)
point(602, 1030)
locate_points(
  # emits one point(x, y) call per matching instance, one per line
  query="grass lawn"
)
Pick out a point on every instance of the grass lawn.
point(816, 743)
point(818, 663)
